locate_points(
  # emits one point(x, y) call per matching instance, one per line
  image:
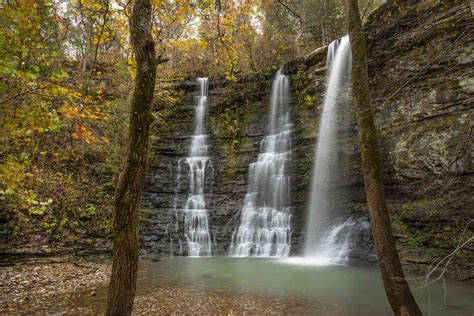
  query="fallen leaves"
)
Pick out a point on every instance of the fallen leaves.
point(29, 287)
point(80, 288)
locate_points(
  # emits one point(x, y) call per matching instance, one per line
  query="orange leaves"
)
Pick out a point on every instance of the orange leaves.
point(84, 112)
point(81, 132)
point(70, 112)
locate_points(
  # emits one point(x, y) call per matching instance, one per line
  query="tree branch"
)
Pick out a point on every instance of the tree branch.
point(23, 93)
point(99, 37)
point(161, 60)
point(284, 5)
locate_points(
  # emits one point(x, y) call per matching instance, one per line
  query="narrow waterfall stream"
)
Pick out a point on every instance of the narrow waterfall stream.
point(327, 237)
point(196, 225)
point(265, 223)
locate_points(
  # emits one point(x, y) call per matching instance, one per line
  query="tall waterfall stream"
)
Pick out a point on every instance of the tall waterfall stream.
point(330, 235)
point(265, 222)
point(196, 223)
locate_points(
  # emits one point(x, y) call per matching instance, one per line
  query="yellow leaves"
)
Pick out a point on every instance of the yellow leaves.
point(96, 39)
point(203, 44)
point(230, 76)
point(101, 38)
point(191, 45)
point(64, 92)
point(70, 112)
point(12, 176)
point(228, 20)
point(131, 67)
point(182, 12)
point(122, 24)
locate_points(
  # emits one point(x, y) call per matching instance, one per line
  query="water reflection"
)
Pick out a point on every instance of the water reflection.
point(355, 289)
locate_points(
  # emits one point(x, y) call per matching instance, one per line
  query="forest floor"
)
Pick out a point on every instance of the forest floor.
point(80, 288)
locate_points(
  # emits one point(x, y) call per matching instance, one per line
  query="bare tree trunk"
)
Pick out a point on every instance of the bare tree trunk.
point(127, 194)
point(396, 286)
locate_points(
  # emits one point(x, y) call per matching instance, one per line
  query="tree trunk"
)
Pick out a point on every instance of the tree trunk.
point(127, 194)
point(396, 286)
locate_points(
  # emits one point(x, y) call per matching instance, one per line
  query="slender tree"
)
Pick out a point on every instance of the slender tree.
point(396, 287)
point(127, 195)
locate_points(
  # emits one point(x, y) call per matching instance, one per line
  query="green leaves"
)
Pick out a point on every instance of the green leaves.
point(44, 175)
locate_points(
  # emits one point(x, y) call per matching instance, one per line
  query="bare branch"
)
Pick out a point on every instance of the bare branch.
point(99, 37)
point(161, 60)
point(23, 93)
point(296, 15)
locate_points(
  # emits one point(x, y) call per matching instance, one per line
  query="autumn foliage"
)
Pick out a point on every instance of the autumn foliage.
point(66, 70)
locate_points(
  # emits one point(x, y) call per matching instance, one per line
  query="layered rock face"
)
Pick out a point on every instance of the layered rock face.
point(422, 84)
point(422, 79)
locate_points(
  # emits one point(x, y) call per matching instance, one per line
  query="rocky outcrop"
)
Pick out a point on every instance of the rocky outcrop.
point(422, 77)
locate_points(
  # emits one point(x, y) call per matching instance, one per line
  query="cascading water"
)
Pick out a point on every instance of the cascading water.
point(265, 222)
point(196, 225)
point(326, 239)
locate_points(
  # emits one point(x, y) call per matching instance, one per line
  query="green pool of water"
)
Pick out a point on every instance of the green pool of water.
point(354, 288)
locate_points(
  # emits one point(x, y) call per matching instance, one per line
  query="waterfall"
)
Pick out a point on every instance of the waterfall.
point(196, 225)
point(327, 236)
point(265, 222)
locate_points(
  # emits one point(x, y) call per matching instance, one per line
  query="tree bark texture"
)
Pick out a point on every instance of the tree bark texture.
point(127, 194)
point(396, 287)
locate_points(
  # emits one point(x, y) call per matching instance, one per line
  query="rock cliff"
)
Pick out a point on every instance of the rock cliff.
point(422, 84)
